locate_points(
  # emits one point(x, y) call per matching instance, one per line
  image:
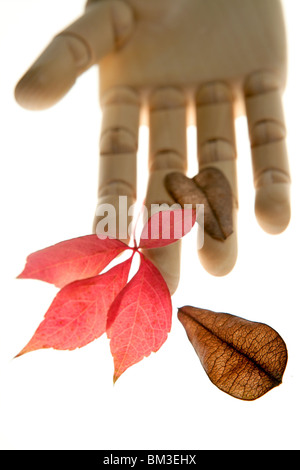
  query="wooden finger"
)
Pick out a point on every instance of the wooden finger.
point(103, 28)
point(167, 153)
point(117, 166)
point(217, 149)
point(267, 134)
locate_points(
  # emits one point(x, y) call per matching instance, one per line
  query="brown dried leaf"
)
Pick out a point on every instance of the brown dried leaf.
point(218, 192)
point(242, 358)
point(183, 189)
point(211, 188)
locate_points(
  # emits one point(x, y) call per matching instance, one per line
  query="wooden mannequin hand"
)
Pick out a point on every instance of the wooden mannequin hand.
point(217, 58)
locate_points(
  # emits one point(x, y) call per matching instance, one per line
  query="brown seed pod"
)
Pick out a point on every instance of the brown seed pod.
point(242, 358)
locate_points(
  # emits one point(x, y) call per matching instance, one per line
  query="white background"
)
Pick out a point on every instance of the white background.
point(48, 181)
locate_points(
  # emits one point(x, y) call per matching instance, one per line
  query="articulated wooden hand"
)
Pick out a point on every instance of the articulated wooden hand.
point(219, 58)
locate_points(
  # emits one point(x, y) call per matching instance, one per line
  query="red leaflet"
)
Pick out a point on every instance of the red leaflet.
point(71, 260)
point(166, 227)
point(78, 313)
point(139, 319)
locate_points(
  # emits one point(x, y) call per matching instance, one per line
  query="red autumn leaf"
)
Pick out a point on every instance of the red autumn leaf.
point(136, 315)
point(166, 227)
point(72, 260)
point(140, 317)
point(78, 314)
